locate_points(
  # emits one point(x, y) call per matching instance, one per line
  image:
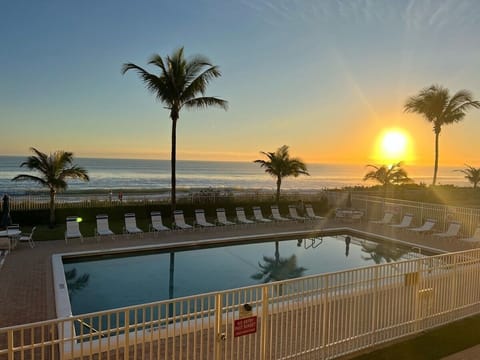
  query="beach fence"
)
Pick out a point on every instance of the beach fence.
point(316, 317)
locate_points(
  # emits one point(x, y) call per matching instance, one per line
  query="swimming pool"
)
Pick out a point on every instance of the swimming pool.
point(107, 281)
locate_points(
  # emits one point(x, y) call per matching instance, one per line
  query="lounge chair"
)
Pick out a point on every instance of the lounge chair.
point(200, 219)
point(102, 228)
point(292, 211)
point(426, 227)
point(241, 218)
point(73, 229)
point(157, 223)
point(258, 216)
point(131, 224)
point(406, 222)
point(452, 231)
point(310, 214)
point(179, 221)
point(475, 238)
point(387, 219)
point(222, 217)
point(28, 237)
point(276, 214)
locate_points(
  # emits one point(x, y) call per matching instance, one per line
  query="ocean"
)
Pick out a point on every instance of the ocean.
point(135, 174)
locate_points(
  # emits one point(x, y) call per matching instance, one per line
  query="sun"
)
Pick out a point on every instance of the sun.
point(393, 146)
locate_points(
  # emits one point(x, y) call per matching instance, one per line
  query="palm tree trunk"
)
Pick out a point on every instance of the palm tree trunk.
point(279, 183)
point(173, 163)
point(435, 169)
point(52, 208)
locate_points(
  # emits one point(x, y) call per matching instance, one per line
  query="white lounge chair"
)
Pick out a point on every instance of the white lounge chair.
point(452, 231)
point(258, 216)
point(179, 221)
point(28, 237)
point(102, 228)
point(73, 229)
point(292, 211)
point(241, 218)
point(475, 238)
point(222, 217)
point(387, 219)
point(200, 219)
point(276, 214)
point(311, 214)
point(426, 227)
point(131, 224)
point(406, 222)
point(157, 223)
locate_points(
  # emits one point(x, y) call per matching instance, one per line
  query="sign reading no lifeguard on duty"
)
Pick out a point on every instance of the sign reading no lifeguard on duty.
point(245, 326)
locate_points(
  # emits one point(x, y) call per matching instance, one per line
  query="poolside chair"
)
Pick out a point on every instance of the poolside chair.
point(131, 224)
point(73, 229)
point(276, 214)
point(292, 211)
point(102, 228)
point(387, 219)
point(452, 231)
point(157, 223)
point(426, 227)
point(475, 238)
point(241, 218)
point(179, 221)
point(406, 222)
point(222, 217)
point(13, 232)
point(258, 216)
point(310, 214)
point(28, 237)
point(200, 219)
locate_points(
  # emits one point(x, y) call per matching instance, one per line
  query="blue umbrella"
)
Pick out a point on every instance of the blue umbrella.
point(6, 220)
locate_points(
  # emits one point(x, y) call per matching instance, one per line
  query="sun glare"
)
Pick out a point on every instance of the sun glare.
point(393, 146)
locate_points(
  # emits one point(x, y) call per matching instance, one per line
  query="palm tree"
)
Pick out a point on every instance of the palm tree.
point(471, 174)
point(388, 175)
point(54, 170)
point(177, 86)
point(437, 106)
point(74, 283)
point(280, 165)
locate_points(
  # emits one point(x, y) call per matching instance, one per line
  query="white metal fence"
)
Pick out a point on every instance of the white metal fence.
point(316, 317)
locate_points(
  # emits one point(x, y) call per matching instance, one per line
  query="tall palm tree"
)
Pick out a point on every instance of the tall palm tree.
point(280, 165)
point(437, 106)
point(388, 175)
point(471, 174)
point(178, 85)
point(54, 170)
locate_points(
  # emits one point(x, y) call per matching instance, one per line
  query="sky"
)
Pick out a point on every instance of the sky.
point(326, 77)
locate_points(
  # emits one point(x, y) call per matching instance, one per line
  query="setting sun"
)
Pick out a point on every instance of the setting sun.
point(393, 145)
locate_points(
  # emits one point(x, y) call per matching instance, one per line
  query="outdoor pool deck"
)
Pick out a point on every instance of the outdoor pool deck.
point(26, 280)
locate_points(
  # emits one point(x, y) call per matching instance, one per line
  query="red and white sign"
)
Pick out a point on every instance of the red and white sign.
point(245, 326)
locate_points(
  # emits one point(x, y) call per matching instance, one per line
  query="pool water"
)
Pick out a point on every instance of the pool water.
point(107, 282)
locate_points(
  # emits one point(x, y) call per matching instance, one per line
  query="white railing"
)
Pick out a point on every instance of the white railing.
point(321, 317)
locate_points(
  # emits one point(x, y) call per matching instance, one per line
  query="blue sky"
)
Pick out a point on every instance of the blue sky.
point(325, 77)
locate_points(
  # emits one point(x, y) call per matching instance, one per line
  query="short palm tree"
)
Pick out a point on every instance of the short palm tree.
point(54, 170)
point(280, 165)
point(178, 86)
point(388, 175)
point(471, 174)
point(437, 106)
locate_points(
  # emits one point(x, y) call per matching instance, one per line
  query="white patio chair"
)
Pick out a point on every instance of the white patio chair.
point(276, 214)
point(179, 221)
point(131, 224)
point(157, 222)
point(310, 214)
point(222, 217)
point(13, 232)
point(452, 231)
point(200, 219)
point(405, 223)
point(292, 211)
point(258, 216)
point(241, 218)
point(102, 228)
point(28, 237)
point(426, 227)
point(387, 219)
point(475, 238)
point(73, 229)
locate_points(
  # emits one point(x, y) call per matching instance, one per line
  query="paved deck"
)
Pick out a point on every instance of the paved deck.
point(26, 282)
